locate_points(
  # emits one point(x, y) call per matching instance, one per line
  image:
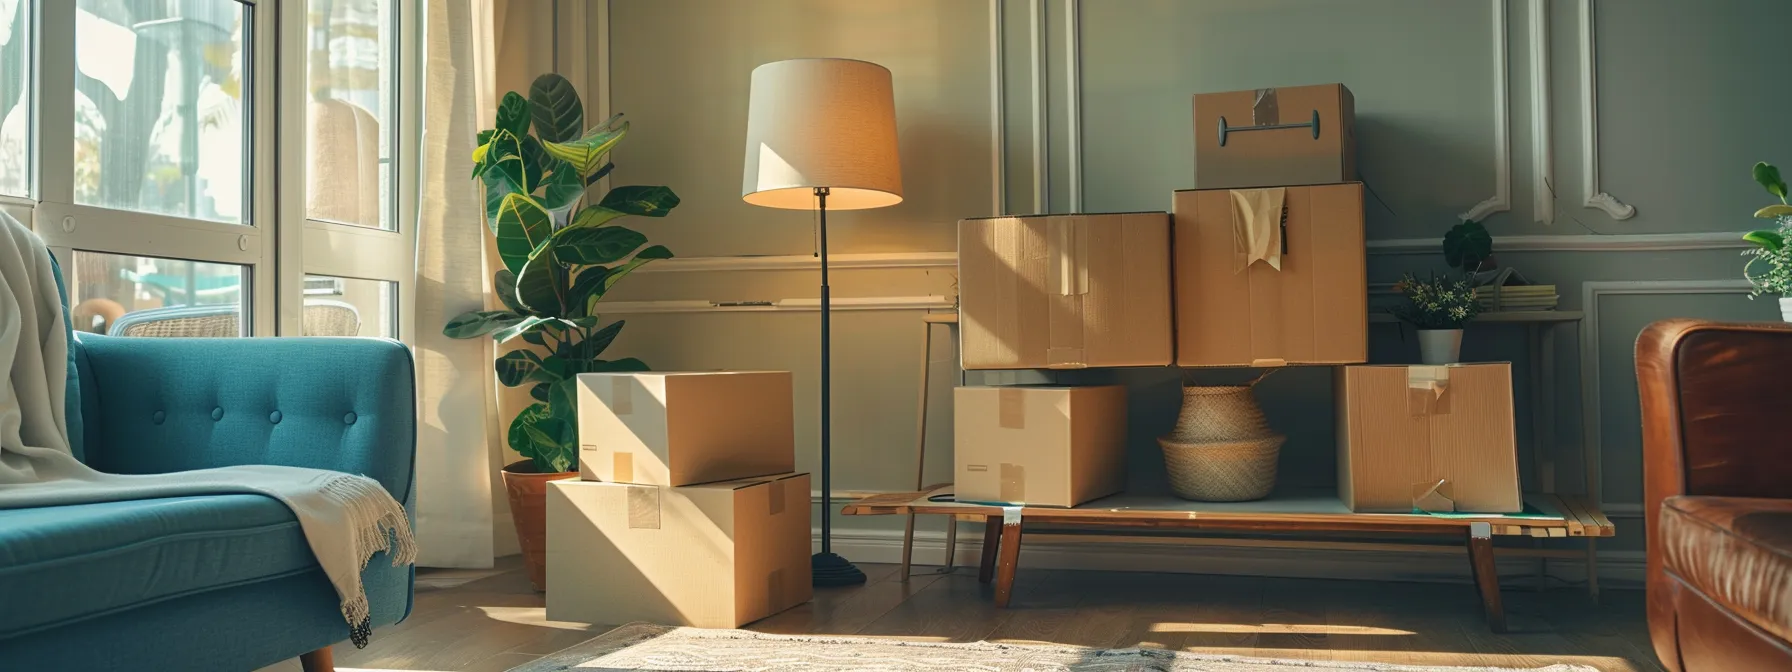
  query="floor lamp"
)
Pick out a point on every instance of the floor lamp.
point(821, 134)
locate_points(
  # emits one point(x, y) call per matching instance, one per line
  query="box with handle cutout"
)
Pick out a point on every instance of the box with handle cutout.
point(1275, 137)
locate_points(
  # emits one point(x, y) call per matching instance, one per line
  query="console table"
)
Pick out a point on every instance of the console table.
point(1303, 511)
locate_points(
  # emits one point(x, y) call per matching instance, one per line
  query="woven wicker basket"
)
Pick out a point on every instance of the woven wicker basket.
point(1222, 449)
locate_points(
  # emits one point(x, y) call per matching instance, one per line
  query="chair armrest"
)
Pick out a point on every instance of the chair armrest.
point(157, 405)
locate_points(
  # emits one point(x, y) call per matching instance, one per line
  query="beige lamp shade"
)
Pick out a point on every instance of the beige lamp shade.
point(822, 122)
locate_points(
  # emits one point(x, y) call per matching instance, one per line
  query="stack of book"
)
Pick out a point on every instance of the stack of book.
point(1517, 297)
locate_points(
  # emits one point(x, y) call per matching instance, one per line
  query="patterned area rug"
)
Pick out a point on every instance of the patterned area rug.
point(640, 646)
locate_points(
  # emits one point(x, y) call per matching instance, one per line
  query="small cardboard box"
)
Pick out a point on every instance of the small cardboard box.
point(1275, 137)
point(717, 555)
point(685, 428)
point(1432, 438)
point(1270, 277)
point(1040, 446)
point(1065, 291)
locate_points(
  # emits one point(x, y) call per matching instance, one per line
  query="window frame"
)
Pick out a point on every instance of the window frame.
point(316, 247)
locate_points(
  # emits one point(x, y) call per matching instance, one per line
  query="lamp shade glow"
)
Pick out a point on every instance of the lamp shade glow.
point(822, 122)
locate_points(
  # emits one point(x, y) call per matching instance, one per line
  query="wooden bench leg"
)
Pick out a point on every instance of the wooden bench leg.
point(320, 660)
point(1005, 563)
point(992, 536)
point(1487, 575)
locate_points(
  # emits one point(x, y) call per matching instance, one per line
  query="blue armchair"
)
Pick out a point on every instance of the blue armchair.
point(221, 582)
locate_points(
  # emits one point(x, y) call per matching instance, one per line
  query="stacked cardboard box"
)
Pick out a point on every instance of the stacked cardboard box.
point(1266, 269)
point(686, 512)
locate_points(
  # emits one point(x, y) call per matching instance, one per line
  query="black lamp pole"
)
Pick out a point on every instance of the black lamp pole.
point(827, 568)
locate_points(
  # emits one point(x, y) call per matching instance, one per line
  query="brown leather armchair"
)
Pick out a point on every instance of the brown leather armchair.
point(1717, 471)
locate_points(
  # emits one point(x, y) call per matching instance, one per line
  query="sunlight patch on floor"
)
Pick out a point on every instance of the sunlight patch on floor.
point(1278, 628)
point(531, 616)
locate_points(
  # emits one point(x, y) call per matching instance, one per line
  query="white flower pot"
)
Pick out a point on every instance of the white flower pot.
point(1786, 308)
point(1441, 346)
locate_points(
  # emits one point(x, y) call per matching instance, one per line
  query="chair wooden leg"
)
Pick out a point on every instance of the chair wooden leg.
point(992, 537)
point(1487, 575)
point(321, 660)
point(1006, 562)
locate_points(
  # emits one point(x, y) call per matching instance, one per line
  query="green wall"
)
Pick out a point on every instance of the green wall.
point(1023, 106)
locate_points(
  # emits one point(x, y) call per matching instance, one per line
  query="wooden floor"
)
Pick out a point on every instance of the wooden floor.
point(480, 621)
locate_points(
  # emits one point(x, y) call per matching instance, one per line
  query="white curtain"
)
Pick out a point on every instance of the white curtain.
point(455, 395)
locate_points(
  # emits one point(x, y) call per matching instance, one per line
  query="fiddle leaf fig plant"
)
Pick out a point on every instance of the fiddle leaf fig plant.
point(562, 249)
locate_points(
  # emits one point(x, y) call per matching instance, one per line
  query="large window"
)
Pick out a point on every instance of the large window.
point(159, 115)
point(216, 167)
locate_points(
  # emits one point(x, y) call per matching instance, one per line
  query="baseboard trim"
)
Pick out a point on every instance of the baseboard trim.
point(1616, 568)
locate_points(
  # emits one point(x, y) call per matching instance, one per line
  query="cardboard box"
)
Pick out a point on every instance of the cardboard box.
point(685, 428)
point(1254, 288)
point(1311, 137)
point(717, 555)
point(1064, 291)
point(1434, 438)
point(1040, 446)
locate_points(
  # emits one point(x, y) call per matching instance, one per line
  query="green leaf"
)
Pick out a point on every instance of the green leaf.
point(559, 116)
point(504, 285)
point(601, 340)
point(534, 338)
point(625, 365)
point(519, 437)
point(587, 289)
point(600, 245)
point(564, 187)
point(1467, 245)
point(1768, 176)
point(539, 392)
point(513, 115)
point(587, 152)
point(535, 287)
point(644, 201)
point(618, 273)
point(495, 191)
point(517, 367)
point(1767, 240)
point(1774, 211)
point(600, 174)
point(505, 161)
point(479, 152)
point(529, 323)
point(591, 217)
point(479, 323)
point(522, 225)
point(563, 399)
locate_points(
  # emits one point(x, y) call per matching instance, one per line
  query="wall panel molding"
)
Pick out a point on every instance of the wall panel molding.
point(1626, 242)
point(1543, 202)
point(1589, 103)
point(1591, 430)
point(1073, 94)
point(998, 139)
point(1042, 183)
point(1501, 200)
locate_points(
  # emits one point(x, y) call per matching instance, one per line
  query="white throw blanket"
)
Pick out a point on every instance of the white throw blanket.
point(346, 518)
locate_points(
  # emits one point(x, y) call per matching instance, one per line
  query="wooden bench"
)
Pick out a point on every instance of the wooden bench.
point(1307, 511)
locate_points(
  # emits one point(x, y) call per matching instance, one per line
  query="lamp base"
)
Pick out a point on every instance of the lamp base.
point(829, 569)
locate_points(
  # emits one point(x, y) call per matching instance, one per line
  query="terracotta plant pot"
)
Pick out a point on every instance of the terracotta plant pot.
point(529, 509)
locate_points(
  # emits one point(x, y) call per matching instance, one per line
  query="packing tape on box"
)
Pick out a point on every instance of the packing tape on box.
point(1257, 227)
point(775, 491)
point(1011, 408)
point(1265, 109)
point(1067, 271)
point(1433, 497)
point(622, 395)
point(1427, 390)
point(643, 507)
point(1014, 483)
point(622, 466)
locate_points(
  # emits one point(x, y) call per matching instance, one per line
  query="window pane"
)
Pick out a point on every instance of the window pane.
point(350, 307)
point(149, 296)
point(159, 116)
point(348, 137)
point(15, 97)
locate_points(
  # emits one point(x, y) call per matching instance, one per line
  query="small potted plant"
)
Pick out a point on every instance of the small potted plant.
point(1770, 244)
point(1437, 307)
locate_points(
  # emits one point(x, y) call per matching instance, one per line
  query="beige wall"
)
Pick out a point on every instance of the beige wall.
point(1019, 106)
